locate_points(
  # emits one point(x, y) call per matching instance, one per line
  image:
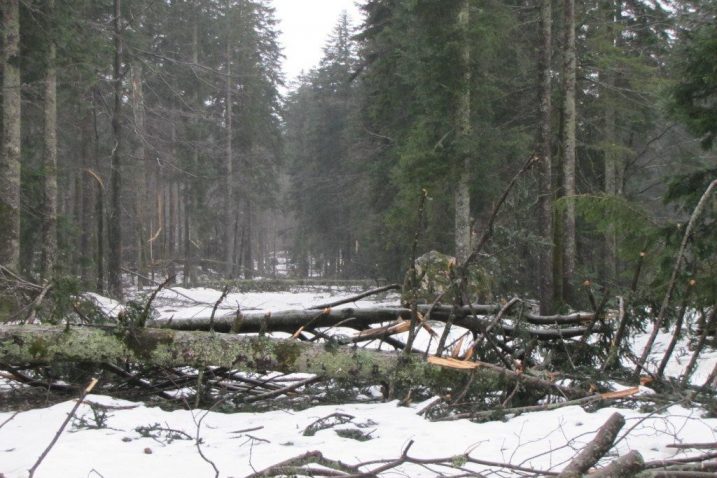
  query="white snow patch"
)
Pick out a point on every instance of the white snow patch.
point(242, 442)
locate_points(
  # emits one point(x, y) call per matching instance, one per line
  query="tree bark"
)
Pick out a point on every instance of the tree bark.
point(627, 466)
point(291, 320)
point(43, 344)
point(99, 204)
point(596, 449)
point(229, 158)
point(86, 248)
point(49, 216)
point(114, 226)
point(569, 150)
point(709, 325)
point(248, 259)
point(462, 196)
point(611, 154)
point(11, 141)
point(545, 177)
point(189, 269)
point(141, 205)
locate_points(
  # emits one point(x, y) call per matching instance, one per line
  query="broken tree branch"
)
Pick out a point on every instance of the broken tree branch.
point(85, 392)
point(356, 297)
point(673, 279)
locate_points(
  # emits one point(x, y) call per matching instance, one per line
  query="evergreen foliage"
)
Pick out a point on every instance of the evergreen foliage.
point(333, 172)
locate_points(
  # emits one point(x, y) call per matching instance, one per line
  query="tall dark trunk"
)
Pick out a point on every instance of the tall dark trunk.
point(85, 247)
point(569, 151)
point(49, 216)
point(611, 154)
point(172, 204)
point(140, 203)
point(189, 270)
point(248, 255)
point(11, 141)
point(114, 226)
point(228, 159)
point(462, 197)
point(99, 207)
point(545, 177)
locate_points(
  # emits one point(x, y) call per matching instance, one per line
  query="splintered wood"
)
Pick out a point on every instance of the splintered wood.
point(453, 363)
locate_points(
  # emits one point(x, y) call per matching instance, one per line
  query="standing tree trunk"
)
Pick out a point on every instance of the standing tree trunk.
point(462, 195)
point(171, 203)
point(114, 228)
point(141, 204)
point(99, 204)
point(172, 222)
point(188, 271)
point(86, 248)
point(188, 276)
point(248, 254)
point(228, 161)
point(10, 154)
point(545, 178)
point(49, 216)
point(569, 153)
point(611, 153)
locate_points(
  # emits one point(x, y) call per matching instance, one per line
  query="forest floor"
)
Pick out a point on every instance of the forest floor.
point(110, 437)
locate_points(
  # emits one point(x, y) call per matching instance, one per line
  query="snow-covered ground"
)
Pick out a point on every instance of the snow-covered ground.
point(178, 303)
point(139, 440)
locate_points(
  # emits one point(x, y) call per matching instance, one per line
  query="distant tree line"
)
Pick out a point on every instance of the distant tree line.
point(143, 137)
point(452, 97)
point(138, 135)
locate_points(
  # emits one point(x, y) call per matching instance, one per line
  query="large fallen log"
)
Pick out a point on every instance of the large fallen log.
point(290, 320)
point(43, 344)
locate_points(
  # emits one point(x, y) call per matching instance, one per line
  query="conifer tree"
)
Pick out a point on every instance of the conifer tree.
point(11, 143)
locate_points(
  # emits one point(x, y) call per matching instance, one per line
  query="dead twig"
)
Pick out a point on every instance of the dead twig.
point(694, 446)
point(356, 297)
point(678, 329)
point(592, 399)
point(282, 391)
point(327, 422)
point(9, 419)
point(134, 379)
point(148, 305)
point(412, 280)
point(295, 467)
point(36, 303)
point(709, 325)
point(69, 417)
point(216, 305)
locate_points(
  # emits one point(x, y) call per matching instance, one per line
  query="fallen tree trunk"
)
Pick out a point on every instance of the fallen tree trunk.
point(576, 318)
point(596, 449)
point(627, 466)
point(291, 320)
point(41, 344)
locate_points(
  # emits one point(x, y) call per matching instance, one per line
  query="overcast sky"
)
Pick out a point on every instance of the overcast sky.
point(305, 26)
